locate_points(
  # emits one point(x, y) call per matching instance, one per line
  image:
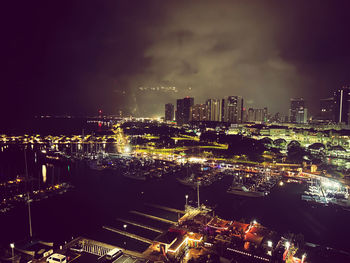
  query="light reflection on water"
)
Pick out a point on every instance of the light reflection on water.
point(100, 197)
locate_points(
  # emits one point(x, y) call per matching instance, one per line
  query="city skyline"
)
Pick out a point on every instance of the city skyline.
point(73, 59)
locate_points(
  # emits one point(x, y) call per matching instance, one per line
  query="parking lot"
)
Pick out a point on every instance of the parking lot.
point(96, 252)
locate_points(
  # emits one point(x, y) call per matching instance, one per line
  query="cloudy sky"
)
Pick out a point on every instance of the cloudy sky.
point(74, 57)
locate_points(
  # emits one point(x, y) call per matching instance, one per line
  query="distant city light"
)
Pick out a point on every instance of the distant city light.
point(43, 172)
point(127, 149)
point(287, 244)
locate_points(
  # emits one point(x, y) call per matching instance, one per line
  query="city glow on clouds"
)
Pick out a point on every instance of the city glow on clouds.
point(226, 49)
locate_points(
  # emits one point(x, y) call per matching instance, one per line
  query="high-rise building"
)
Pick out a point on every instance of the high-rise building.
point(342, 105)
point(257, 115)
point(245, 115)
point(251, 115)
point(199, 112)
point(296, 104)
point(266, 115)
point(301, 116)
point(233, 109)
point(327, 109)
point(214, 109)
point(183, 110)
point(223, 110)
point(169, 112)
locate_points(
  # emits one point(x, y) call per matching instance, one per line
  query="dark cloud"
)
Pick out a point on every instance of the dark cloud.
point(76, 57)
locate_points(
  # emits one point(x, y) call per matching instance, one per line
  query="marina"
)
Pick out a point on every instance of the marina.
point(96, 172)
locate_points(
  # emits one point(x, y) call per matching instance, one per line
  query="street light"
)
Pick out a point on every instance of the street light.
point(186, 200)
point(287, 245)
point(12, 246)
point(269, 243)
point(303, 258)
point(125, 226)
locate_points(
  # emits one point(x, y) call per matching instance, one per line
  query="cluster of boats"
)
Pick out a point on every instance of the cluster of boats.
point(132, 167)
point(205, 177)
point(316, 193)
point(252, 185)
point(9, 202)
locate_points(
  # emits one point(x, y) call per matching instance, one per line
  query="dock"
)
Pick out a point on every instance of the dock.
point(153, 217)
point(140, 225)
point(127, 234)
point(166, 208)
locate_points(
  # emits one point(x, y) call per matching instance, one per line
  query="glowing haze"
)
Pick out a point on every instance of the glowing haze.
point(73, 59)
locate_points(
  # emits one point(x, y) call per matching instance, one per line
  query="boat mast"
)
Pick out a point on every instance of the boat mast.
point(28, 198)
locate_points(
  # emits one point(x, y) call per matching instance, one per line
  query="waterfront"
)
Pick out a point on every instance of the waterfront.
point(100, 197)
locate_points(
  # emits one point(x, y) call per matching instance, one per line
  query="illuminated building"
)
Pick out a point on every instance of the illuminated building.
point(327, 109)
point(342, 105)
point(301, 116)
point(265, 114)
point(183, 110)
point(233, 109)
point(257, 115)
point(169, 112)
point(245, 115)
point(251, 115)
point(199, 112)
point(296, 105)
point(214, 109)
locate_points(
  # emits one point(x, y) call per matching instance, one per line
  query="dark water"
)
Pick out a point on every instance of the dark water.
point(47, 126)
point(100, 197)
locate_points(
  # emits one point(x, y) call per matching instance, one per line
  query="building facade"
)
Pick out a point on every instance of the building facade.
point(296, 105)
point(214, 108)
point(183, 110)
point(342, 105)
point(199, 112)
point(169, 112)
point(301, 116)
point(327, 109)
point(257, 115)
point(233, 109)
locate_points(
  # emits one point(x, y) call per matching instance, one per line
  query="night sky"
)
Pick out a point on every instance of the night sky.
point(74, 57)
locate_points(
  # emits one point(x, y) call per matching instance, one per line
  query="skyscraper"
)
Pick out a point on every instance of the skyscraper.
point(245, 115)
point(199, 112)
point(296, 104)
point(327, 109)
point(301, 116)
point(214, 109)
point(233, 109)
point(183, 110)
point(251, 115)
point(169, 112)
point(257, 115)
point(266, 115)
point(342, 105)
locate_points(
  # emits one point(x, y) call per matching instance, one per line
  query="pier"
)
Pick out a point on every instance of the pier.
point(153, 217)
point(166, 208)
point(127, 234)
point(140, 225)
